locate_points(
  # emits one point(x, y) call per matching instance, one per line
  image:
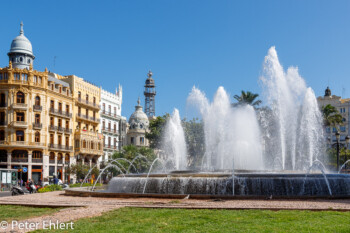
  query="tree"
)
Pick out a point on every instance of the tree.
point(331, 116)
point(195, 140)
point(247, 98)
point(81, 171)
point(130, 152)
point(156, 128)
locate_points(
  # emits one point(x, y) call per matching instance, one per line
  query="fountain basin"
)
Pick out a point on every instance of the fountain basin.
point(245, 184)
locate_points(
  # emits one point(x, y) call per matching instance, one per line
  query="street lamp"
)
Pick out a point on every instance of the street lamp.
point(347, 140)
point(337, 136)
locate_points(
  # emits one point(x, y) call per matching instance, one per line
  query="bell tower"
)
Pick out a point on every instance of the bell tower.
point(150, 93)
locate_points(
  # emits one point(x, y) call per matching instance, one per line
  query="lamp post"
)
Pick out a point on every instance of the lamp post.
point(337, 136)
point(347, 140)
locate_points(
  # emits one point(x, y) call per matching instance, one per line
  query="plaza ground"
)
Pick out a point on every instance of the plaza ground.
point(169, 215)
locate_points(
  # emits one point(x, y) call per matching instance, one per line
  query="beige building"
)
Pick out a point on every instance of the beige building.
point(88, 141)
point(343, 107)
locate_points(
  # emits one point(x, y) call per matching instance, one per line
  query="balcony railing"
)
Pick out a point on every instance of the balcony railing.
point(36, 160)
point(52, 128)
point(108, 113)
point(60, 112)
point(19, 124)
point(60, 161)
point(68, 131)
point(19, 105)
point(66, 162)
point(60, 129)
point(95, 105)
point(37, 125)
point(60, 147)
point(19, 160)
point(88, 118)
point(52, 161)
point(37, 108)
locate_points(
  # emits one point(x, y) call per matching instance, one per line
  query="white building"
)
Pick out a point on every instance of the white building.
point(112, 124)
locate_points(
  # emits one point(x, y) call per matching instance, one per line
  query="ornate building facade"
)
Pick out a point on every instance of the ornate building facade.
point(138, 127)
point(112, 124)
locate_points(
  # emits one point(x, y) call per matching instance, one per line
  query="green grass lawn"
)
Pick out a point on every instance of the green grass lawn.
point(182, 220)
point(15, 212)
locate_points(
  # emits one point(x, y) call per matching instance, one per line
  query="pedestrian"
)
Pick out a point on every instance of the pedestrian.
point(55, 180)
point(30, 185)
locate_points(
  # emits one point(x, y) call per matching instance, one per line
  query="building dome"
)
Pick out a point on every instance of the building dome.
point(138, 120)
point(21, 51)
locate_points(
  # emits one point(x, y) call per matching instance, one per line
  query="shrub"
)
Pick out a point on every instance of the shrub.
point(50, 188)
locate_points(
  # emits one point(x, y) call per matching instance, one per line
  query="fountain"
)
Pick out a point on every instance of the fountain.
point(270, 151)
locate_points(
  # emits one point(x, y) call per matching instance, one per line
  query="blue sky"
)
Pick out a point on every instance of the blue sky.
point(184, 43)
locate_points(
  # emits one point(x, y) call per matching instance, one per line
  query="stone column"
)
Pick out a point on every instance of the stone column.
point(29, 165)
point(63, 174)
point(46, 167)
point(9, 159)
point(90, 162)
point(55, 172)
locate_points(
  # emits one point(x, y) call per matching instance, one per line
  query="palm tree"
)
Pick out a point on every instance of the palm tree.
point(247, 98)
point(331, 116)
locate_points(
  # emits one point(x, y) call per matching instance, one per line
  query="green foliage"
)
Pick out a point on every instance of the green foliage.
point(247, 98)
point(84, 185)
point(331, 162)
point(195, 140)
point(81, 170)
point(156, 127)
point(50, 188)
point(130, 152)
point(331, 116)
point(205, 220)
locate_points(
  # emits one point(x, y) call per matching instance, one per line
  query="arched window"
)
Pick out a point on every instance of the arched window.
point(79, 94)
point(37, 100)
point(84, 144)
point(66, 159)
point(92, 145)
point(20, 97)
point(52, 157)
point(59, 157)
point(37, 137)
point(20, 135)
point(87, 98)
point(2, 100)
point(2, 135)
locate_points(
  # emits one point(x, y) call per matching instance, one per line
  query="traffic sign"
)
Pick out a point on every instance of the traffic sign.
point(25, 169)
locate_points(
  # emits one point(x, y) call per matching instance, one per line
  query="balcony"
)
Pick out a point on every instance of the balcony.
point(110, 131)
point(60, 129)
point(87, 103)
point(52, 128)
point(61, 113)
point(88, 137)
point(37, 125)
point(19, 106)
point(36, 160)
point(67, 131)
point(60, 147)
point(37, 108)
point(109, 114)
point(19, 160)
point(52, 161)
point(87, 118)
point(19, 124)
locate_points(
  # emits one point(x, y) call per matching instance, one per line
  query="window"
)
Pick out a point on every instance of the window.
point(59, 122)
point(342, 128)
point(87, 98)
point(115, 142)
point(94, 100)
point(2, 100)
point(37, 137)
point(67, 124)
point(52, 121)
point(142, 140)
point(20, 97)
point(109, 125)
point(37, 100)
point(79, 111)
point(334, 130)
point(60, 89)
point(87, 113)
point(104, 107)
point(20, 116)
point(51, 139)
point(67, 141)
point(103, 124)
point(109, 141)
point(52, 156)
point(2, 135)
point(28, 61)
point(115, 111)
point(328, 130)
point(60, 107)
point(84, 144)
point(109, 108)
point(37, 155)
point(52, 104)
point(52, 87)
point(92, 145)
point(19, 135)
point(37, 118)
point(59, 140)
point(132, 140)
point(67, 108)
point(2, 118)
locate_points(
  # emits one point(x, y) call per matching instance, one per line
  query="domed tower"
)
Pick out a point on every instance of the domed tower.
point(138, 126)
point(21, 52)
point(150, 93)
point(327, 92)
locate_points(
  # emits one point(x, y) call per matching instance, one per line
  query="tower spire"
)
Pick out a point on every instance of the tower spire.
point(21, 32)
